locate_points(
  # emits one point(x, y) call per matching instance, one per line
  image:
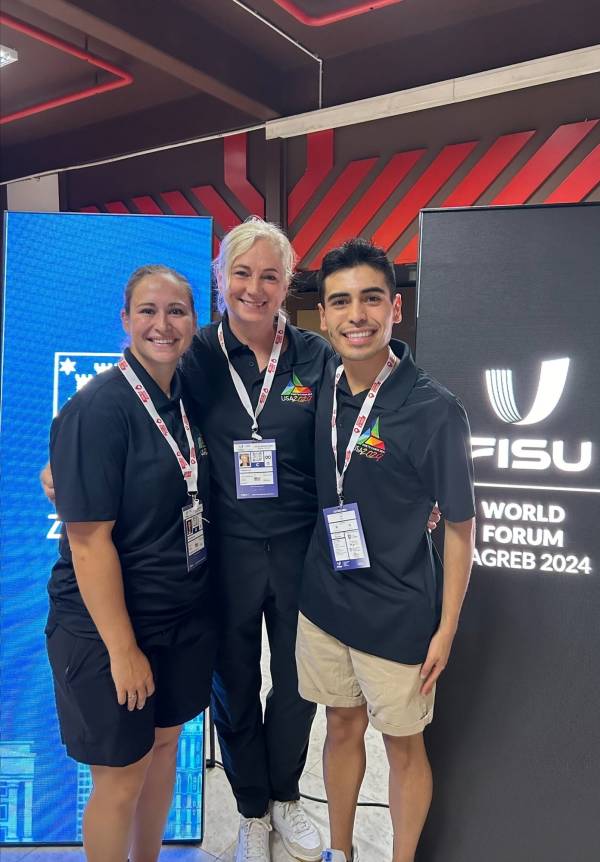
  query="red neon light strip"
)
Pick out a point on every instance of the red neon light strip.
point(432, 179)
point(581, 181)
point(319, 162)
point(219, 209)
point(124, 79)
point(545, 161)
point(147, 205)
point(334, 200)
point(236, 174)
point(479, 178)
point(333, 17)
point(385, 184)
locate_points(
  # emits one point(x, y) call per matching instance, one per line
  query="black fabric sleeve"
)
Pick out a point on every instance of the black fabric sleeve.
point(195, 374)
point(88, 449)
point(444, 463)
point(328, 367)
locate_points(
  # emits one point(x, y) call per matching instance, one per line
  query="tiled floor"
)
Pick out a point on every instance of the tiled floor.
point(373, 829)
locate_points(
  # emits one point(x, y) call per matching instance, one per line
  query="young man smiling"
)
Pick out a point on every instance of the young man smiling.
point(376, 626)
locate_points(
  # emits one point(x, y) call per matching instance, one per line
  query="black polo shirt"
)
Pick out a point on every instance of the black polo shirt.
point(415, 449)
point(288, 417)
point(110, 462)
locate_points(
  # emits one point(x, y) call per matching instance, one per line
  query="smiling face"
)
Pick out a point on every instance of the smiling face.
point(358, 312)
point(160, 322)
point(257, 285)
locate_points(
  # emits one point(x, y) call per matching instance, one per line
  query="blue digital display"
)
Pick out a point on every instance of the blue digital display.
point(64, 275)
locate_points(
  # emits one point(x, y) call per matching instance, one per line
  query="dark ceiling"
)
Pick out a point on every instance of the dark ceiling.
point(201, 67)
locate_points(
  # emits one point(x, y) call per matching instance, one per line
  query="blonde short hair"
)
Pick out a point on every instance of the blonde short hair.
point(240, 239)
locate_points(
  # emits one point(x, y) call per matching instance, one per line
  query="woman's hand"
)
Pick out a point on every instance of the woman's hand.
point(132, 676)
point(98, 573)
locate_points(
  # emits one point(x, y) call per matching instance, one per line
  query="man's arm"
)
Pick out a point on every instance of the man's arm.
point(98, 572)
point(459, 543)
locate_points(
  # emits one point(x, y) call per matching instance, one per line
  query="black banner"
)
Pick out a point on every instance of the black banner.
point(508, 319)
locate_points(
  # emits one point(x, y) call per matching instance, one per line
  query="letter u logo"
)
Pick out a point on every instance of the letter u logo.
point(499, 383)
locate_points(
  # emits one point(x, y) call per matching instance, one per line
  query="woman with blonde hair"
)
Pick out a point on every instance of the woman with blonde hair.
point(254, 380)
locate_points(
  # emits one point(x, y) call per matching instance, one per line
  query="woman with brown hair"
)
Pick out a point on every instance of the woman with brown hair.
point(130, 635)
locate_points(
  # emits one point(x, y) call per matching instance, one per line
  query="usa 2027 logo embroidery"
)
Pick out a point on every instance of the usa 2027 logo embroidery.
point(201, 447)
point(370, 443)
point(295, 391)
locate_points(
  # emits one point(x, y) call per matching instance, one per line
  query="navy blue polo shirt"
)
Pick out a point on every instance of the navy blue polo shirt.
point(415, 449)
point(288, 416)
point(109, 462)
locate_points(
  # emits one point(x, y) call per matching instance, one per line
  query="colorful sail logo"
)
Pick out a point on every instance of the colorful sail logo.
point(370, 443)
point(295, 391)
point(201, 446)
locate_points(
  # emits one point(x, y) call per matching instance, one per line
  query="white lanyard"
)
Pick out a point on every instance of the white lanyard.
point(188, 471)
point(269, 376)
point(365, 410)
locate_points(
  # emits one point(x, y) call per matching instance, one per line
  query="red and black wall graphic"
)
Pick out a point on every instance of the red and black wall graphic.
point(205, 199)
point(357, 201)
point(380, 196)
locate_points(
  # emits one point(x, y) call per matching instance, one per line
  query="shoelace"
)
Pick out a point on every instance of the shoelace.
point(255, 838)
point(294, 812)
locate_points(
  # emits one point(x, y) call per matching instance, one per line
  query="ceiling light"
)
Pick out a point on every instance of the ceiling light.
point(7, 55)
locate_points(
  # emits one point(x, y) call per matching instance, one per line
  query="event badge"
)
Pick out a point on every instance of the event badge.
point(255, 460)
point(193, 531)
point(344, 528)
point(255, 463)
point(346, 538)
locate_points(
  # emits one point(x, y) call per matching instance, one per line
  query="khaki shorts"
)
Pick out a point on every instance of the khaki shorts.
point(331, 673)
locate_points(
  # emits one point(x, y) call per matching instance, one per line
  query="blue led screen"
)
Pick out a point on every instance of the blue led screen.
point(64, 275)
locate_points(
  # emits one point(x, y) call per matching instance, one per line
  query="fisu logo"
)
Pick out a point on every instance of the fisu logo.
point(499, 383)
point(527, 453)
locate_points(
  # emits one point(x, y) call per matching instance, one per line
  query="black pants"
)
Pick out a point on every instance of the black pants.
point(263, 756)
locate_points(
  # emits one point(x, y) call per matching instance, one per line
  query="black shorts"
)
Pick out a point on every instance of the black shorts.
point(94, 727)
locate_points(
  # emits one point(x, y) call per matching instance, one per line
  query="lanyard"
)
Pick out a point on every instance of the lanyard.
point(269, 376)
point(188, 471)
point(365, 410)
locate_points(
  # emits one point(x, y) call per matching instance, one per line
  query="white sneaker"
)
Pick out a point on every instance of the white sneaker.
point(339, 855)
point(253, 839)
point(300, 836)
